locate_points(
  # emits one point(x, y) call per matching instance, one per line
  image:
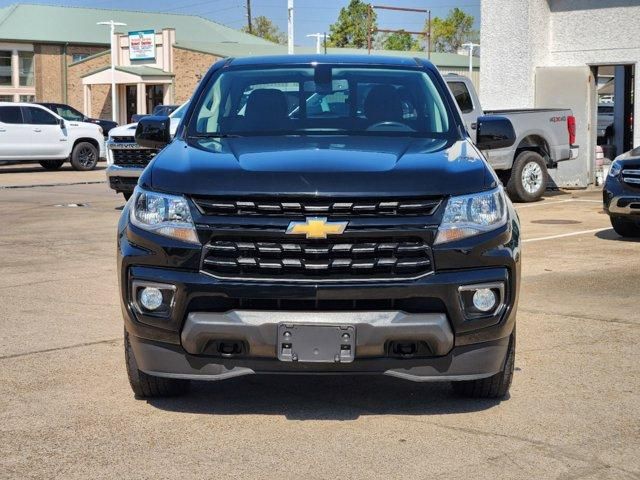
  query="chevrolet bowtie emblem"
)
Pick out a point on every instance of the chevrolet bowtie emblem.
point(316, 227)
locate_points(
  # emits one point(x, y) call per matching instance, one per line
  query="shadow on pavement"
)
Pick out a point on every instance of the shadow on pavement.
point(299, 397)
point(610, 234)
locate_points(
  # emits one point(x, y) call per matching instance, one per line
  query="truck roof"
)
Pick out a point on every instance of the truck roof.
point(332, 58)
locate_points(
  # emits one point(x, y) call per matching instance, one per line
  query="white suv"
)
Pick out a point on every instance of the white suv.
point(31, 132)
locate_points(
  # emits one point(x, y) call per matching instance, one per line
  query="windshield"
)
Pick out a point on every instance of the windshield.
point(321, 99)
point(69, 113)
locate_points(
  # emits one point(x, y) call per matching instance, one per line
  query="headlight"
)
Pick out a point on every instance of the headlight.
point(615, 169)
point(163, 214)
point(469, 215)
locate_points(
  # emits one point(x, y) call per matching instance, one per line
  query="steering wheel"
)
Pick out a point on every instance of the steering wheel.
point(390, 125)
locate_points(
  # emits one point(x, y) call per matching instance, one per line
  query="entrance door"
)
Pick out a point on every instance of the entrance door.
point(132, 101)
point(155, 96)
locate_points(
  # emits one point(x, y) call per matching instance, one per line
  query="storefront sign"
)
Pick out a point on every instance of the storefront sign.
point(142, 45)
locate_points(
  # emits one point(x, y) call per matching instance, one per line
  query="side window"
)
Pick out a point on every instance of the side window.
point(10, 115)
point(462, 96)
point(39, 116)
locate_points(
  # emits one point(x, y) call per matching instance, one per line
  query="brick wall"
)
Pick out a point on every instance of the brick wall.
point(189, 67)
point(49, 72)
point(100, 94)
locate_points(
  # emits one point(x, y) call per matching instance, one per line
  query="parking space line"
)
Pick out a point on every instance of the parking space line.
point(562, 235)
point(542, 204)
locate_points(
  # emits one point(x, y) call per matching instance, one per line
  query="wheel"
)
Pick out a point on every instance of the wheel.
point(84, 156)
point(149, 386)
point(127, 195)
point(496, 386)
point(51, 164)
point(527, 181)
point(624, 227)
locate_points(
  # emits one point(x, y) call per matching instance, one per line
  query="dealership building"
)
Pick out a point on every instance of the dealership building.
point(580, 54)
point(60, 54)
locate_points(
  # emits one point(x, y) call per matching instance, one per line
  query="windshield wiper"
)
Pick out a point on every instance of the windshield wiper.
point(215, 135)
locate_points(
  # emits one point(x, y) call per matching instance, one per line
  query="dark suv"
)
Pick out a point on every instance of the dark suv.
point(320, 215)
point(621, 194)
point(69, 113)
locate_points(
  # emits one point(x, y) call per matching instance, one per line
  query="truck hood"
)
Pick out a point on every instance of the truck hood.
point(322, 165)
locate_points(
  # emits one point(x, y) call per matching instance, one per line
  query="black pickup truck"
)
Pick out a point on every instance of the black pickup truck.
point(320, 215)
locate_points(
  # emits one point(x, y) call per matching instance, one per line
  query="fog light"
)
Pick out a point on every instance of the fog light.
point(151, 298)
point(484, 299)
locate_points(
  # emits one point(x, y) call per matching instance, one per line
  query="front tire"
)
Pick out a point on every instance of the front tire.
point(84, 157)
point(624, 227)
point(496, 386)
point(51, 164)
point(150, 386)
point(528, 179)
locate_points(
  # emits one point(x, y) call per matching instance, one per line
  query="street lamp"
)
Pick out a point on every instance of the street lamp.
point(470, 46)
point(114, 47)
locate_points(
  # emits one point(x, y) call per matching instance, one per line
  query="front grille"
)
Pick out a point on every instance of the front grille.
point(294, 207)
point(631, 176)
point(389, 257)
point(133, 157)
point(122, 139)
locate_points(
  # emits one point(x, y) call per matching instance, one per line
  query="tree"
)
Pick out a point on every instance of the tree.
point(448, 34)
point(400, 40)
point(350, 30)
point(264, 28)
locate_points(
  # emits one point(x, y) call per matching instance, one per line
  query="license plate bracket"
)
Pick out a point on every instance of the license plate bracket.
point(316, 343)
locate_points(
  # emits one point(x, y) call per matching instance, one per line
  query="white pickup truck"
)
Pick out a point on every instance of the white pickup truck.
point(30, 132)
point(544, 137)
point(126, 159)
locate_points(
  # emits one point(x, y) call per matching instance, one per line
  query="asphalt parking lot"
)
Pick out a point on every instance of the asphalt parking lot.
point(66, 410)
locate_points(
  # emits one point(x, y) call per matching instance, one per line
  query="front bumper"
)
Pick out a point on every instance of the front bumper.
point(621, 199)
point(461, 363)
point(123, 179)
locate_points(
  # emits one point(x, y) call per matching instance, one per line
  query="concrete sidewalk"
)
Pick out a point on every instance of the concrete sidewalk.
point(32, 174)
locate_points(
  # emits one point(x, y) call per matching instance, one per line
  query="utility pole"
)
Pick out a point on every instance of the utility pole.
point(290, 26)
point(114, 52)
point(317, 36)
point(249, 21)
point(470, 46)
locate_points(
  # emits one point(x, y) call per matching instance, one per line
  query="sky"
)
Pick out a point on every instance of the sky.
point(310, 16)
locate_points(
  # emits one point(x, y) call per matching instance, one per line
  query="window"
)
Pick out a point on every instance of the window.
point(5, 67)
point(6, 98)
point(76, 57)
point(28, 98)
point(10, 115)
point(25, 62)
point(38, 116)
point(322, 100)
point(462, 96)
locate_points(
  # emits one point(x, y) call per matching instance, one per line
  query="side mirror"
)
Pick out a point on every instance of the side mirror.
point(153, 132)
point(494, 132)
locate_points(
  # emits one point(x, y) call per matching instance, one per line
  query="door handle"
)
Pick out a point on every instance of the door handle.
point(37, 129)
point(474, 125)
point(3, 129)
